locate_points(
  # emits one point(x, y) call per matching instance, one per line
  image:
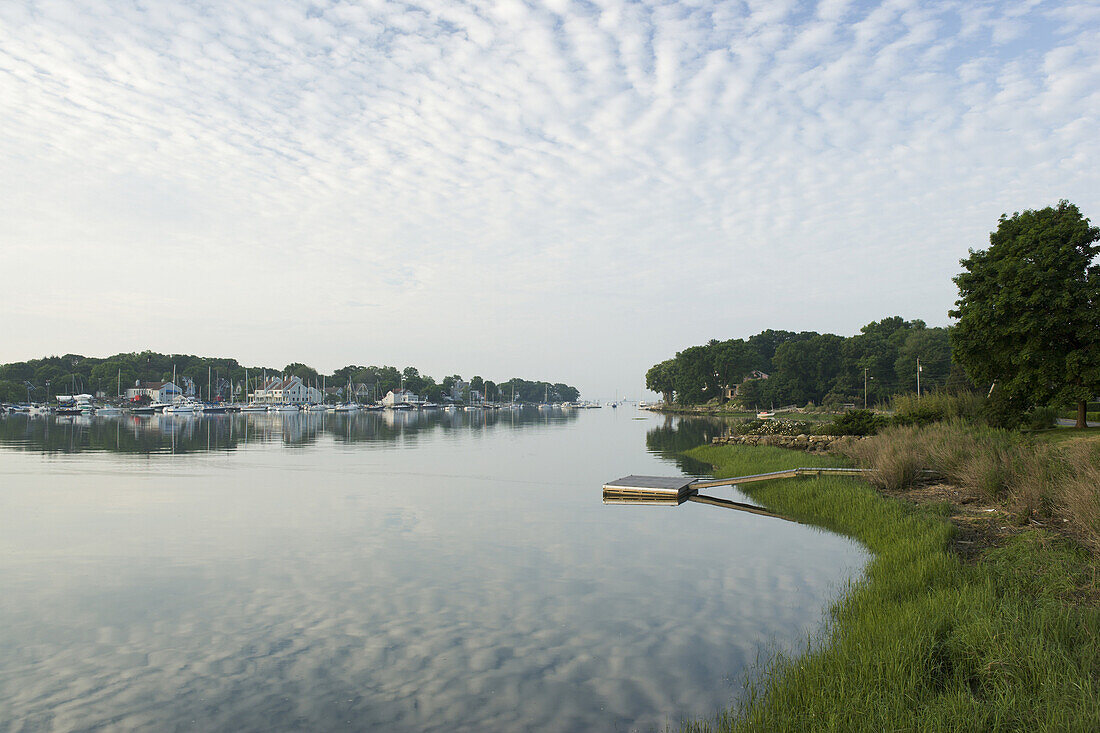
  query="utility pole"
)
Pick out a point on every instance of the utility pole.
point(864, 388)
point(918, 377)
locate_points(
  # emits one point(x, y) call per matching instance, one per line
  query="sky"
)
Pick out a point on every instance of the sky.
point(559, 190)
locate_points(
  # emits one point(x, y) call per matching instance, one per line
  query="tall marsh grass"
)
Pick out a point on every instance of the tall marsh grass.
point(936, 405)
point(1034, 478)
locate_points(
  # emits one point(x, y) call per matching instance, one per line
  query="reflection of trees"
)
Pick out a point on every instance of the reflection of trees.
point(144, 435)
point(679, 434)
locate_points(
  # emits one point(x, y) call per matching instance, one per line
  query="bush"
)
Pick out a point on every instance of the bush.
point(936, 406)
point(753, 426)
point(855, 422)
point(1042, 418)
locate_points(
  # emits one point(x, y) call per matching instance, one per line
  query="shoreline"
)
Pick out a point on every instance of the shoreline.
point(960, 621)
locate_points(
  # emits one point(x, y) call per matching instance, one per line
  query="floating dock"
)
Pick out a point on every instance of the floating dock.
point(675, 490)
point(659, 490)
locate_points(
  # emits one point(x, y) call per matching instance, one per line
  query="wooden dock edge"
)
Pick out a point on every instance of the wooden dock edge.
point(789, 473)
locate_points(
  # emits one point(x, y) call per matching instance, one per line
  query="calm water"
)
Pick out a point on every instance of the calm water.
point(384, 572)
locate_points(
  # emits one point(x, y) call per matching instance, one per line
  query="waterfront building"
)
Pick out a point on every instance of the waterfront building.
point(399, 397)
point(156, 391)
point(286, 390)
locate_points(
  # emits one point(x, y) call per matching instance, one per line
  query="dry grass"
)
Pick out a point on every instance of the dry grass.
point(1033, 478)
point(1080, 489)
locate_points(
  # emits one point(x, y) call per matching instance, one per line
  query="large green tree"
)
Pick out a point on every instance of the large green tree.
point(661, 378)
point(1027, 310)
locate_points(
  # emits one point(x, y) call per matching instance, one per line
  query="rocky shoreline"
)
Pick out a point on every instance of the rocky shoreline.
point(808, 443)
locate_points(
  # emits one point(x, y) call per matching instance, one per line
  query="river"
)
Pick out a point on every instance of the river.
point(391, 572)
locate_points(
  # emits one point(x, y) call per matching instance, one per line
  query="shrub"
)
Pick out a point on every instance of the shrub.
point(855, 422)
point(1042, 418)
point(769, 427)
point(935, 406)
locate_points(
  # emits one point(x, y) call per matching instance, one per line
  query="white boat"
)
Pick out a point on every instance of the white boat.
point(180, 408)
point(318, 407)
point(108, 411)
point(284, 408)
point(764, 415)
point(253, 407)
point(347, 407)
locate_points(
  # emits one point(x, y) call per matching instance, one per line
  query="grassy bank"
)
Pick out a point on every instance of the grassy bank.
point(926, 641)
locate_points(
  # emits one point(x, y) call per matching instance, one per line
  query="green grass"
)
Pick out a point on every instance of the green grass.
point(1090, 416)
point(745, 461)
point(923, 641)
point(1058, 435)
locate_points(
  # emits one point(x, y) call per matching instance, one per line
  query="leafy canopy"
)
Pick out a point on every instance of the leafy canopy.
point(1027, 309)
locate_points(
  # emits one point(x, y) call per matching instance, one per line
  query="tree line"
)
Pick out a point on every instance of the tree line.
point(35, 379)
point(1028, 331)
point(809, 367)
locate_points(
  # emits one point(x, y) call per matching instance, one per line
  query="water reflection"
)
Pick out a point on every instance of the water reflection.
point(404, 572)
point(674, 435)
point(194, 433)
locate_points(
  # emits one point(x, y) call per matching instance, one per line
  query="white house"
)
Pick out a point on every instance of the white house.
point(400, 397)
point(156, 391)
point(290, 390)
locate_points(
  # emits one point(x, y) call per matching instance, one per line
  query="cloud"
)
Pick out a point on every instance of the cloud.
point(648, 146)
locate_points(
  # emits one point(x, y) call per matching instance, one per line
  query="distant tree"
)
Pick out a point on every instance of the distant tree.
point(565, 393)
point(661, 379)
point(413, 381)
point(751, 393)
point(1028, 310)
point(732, 361)
point(806, 369)
point(693, 376)
point(933, 347)
point(12, 391)
point(307, 374)
point(765, 343)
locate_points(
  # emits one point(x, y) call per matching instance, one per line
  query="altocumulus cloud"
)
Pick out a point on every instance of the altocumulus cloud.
point(526, 164)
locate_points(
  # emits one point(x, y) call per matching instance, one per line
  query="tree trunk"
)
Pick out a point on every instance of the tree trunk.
point(1082, 415)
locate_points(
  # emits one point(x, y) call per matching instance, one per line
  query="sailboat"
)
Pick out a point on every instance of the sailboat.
point(111, 410)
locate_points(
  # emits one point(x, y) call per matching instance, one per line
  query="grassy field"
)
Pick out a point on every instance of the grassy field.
point(925, 641)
